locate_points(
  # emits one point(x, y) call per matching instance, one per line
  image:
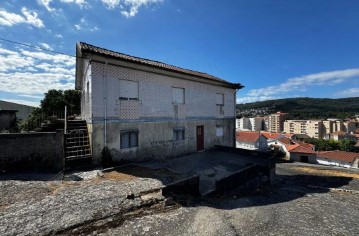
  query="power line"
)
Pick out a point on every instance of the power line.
point(36, 47)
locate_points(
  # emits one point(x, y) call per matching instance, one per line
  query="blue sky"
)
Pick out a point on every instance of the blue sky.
point(275, 48)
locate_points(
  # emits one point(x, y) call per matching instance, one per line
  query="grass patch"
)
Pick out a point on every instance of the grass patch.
point(325, 172)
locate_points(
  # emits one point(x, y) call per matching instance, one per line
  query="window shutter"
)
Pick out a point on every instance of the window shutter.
point(178, 95)
point(128, 90)
point(220, 99)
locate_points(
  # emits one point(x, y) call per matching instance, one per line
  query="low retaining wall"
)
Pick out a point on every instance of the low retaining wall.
point(188, 186)
point(265, 160)
point(237, 179)
point(32, 151)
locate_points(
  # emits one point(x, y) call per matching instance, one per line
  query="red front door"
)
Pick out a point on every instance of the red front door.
point(200, 138)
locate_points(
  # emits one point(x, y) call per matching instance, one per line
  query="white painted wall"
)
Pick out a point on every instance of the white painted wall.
point(330, 162)
point(155, 95)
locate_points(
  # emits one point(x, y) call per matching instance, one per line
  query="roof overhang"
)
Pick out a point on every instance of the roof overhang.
point(82, 55)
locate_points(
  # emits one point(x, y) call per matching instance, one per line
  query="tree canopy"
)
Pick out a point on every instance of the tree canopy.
point(56, 100)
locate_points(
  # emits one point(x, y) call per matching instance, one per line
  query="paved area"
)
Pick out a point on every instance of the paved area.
point(299, 204)
point(210, 166)
point(47, 207)
point(306, 200)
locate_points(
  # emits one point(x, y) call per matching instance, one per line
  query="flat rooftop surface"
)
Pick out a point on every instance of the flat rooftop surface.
point(210, 165)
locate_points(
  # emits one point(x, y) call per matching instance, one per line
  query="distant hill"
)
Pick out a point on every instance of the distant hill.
point(303, 108)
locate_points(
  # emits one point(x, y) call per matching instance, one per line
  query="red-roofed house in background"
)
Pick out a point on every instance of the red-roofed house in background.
point(139, 109)
point(251, 140)
point(340, 135)
point(302, 153)
point(339, 158)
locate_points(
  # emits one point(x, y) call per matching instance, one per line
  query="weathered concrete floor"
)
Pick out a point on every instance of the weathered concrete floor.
point(46, 207)
point(299, 204)
point(210, 166)
point(288, 208)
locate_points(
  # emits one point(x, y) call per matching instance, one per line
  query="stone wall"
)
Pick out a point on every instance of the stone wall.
point(32, 151)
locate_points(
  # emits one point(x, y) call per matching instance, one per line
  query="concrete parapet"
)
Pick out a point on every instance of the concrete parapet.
point(32, 151)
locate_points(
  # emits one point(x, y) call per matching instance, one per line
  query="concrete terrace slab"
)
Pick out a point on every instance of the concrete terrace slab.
point(210, 165)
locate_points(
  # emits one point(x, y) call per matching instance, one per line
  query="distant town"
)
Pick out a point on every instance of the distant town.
point(330, 142)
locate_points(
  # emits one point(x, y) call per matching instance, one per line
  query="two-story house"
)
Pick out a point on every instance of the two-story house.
point(142, 109)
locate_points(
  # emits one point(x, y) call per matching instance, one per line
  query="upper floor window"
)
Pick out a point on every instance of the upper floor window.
point(178, 95)
point(128, 90)
point(219, 98)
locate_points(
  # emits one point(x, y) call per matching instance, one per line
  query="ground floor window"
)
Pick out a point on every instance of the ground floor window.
point(179, 134)
point(129, 139)
point(219, 131)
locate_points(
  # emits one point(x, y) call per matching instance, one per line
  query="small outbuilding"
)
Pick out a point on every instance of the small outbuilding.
point(339, 158)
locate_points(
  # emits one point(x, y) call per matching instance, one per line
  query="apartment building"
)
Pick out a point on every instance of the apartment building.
point(253, 123)
point(313, 128)
point(276, 120)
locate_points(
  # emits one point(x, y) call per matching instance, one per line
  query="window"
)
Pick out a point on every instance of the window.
point(88, 91)
point(179, 134)
point(178, 95)
point(128, 90)
point(219, 98)
point(219, 131)
point(129, 139)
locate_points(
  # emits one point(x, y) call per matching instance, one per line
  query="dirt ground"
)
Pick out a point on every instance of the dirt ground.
point(98, 203)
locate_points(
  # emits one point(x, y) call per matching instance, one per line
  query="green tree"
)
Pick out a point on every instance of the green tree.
point(53, 103)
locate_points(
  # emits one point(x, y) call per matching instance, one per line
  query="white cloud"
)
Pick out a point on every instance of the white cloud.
point(32, 18)
point(81, 3)
point(31, 96)
point(249, 99)
point(46, 46)
point(129, 8)
point(352, 92)
point(46, 4)
point(111, 3)
point(59, 36)
point(29, 17)
point(83, 25)
point(301, 83)
point(32, 73)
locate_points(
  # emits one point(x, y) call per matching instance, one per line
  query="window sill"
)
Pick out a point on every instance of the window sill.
point(129, 149)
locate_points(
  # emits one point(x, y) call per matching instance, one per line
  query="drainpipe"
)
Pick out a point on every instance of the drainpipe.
point(104, 85)
point(235, 117)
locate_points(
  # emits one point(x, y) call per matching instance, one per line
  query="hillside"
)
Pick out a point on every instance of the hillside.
point(303, 108)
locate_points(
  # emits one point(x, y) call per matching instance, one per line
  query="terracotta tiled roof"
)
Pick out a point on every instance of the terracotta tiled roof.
point(271, 135)
point(85, 47)
point(247, 136)
point(288, 135)
point(286, 141)
point(357, 131)
point(302, 149)
point(339, 156)
point(291, 147)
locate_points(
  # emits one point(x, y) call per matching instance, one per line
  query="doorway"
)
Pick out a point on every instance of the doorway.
point(200, 138)
point(304, 159)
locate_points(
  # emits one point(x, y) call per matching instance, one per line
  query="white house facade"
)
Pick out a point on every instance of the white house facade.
point(141, 109)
